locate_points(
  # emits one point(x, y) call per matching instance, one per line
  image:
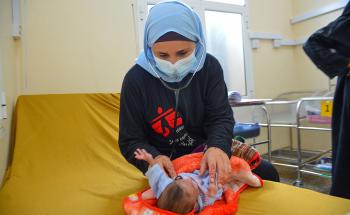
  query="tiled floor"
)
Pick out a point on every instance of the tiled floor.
point(312, 182)
point(288, 175)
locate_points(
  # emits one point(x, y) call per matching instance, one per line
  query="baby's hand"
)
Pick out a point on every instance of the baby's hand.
point(213, 185)
point(212, 190)
point(141, 154)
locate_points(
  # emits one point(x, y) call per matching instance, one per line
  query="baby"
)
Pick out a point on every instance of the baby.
point(187, 191)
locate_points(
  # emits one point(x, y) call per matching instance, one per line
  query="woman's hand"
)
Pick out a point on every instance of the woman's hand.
point(166, 164)
point(348, 75)
point(215, 160)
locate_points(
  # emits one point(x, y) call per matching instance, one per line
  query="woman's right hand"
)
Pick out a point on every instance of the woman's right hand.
point(165, 162)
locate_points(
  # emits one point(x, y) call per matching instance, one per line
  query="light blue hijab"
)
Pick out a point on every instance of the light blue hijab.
point(177, 17)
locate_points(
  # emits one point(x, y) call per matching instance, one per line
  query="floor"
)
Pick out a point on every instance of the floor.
point(312, 182)
point(288, 175)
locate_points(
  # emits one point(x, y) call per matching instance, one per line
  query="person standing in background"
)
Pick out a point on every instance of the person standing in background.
point(329, 49)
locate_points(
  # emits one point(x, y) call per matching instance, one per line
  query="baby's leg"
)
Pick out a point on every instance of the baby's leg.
point(241, 172)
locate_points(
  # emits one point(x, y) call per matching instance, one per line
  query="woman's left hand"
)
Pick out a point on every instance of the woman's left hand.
point(216, 160)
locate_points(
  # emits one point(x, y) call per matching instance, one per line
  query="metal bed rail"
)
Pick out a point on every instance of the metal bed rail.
point(299, 162)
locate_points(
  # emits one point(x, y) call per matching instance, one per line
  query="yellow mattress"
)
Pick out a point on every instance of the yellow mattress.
point(66, 160)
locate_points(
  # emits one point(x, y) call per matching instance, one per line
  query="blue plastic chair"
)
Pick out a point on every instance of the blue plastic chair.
point(246, 130)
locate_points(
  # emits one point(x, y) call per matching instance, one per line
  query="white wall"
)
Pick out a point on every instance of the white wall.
point(76, 45)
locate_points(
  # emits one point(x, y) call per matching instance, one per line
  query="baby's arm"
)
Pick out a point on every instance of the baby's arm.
point(157, 177)
point(142, 154)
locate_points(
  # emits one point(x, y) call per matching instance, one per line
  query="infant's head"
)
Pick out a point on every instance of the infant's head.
point(180, 196)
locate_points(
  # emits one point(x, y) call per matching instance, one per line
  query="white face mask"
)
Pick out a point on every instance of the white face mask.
point(179, 69)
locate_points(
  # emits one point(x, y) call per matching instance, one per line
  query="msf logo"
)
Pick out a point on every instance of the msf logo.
point(165, 121)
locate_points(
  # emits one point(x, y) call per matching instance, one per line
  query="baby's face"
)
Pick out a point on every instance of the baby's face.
point(190, 188)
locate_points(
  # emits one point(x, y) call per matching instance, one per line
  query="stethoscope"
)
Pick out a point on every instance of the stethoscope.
point(176, 92)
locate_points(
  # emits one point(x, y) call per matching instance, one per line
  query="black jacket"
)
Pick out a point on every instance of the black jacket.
point(329, 49)
point(147, 113)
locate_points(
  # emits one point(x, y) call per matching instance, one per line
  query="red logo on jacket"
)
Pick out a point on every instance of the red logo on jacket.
point(165, 121)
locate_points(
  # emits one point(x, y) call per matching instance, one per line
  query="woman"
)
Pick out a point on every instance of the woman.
point(329, 49)
point(175, 99)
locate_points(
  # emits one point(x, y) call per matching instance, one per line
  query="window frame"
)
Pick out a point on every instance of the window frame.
point(200, 6)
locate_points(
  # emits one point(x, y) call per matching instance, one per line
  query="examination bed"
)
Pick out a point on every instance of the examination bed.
point(65, 160)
